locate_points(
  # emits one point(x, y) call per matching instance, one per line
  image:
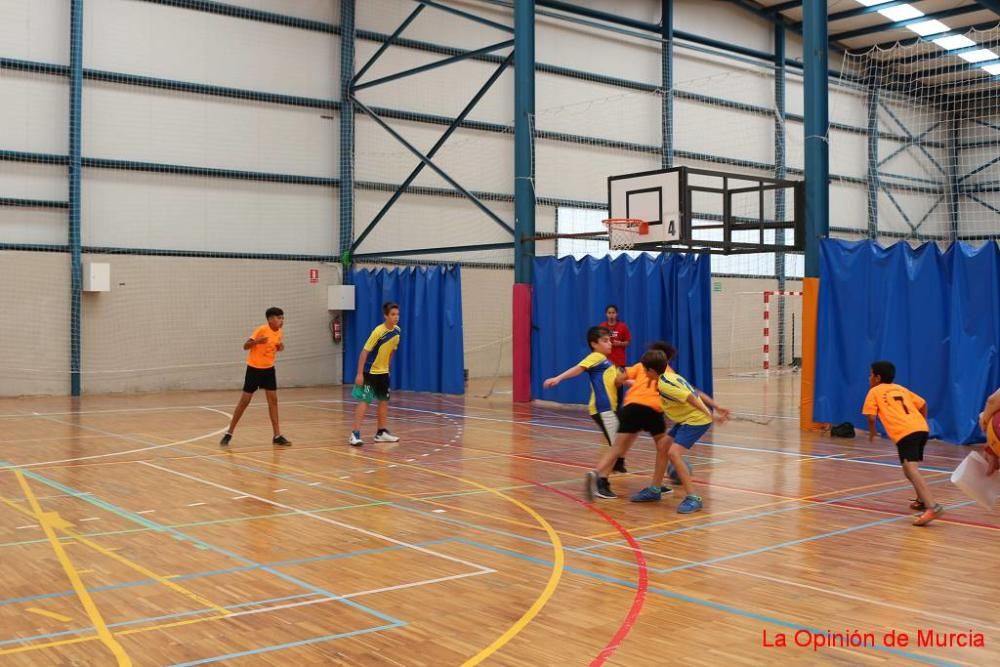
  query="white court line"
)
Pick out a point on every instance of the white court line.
point(974, 623)
point(121, 436)
point(320, 517)
point(348, 596)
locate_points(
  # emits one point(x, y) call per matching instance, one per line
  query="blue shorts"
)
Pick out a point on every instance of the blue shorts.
point(686, 435)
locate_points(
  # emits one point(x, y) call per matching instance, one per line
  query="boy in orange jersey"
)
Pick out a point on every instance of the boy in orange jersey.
point(992, 449)
point(263, 344)
point(641, 411)
point(904, 417)
point(601, 373)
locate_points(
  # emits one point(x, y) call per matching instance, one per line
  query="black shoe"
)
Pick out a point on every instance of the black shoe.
point(281, 440)
point(225, 440)
point(619, 465)
point(604, 489)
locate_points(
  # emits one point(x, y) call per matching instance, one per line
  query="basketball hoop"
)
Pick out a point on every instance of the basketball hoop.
point(624, 233)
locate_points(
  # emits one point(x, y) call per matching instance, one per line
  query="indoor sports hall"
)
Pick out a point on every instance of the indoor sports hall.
point(304, 301)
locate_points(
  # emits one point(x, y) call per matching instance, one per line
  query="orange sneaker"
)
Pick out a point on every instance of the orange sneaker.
point(928, 515)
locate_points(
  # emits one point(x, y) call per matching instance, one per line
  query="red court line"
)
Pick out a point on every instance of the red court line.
point(642, 584)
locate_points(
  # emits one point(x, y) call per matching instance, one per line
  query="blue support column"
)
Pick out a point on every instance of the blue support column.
point(817, 123)
point(346, 135)
point(75, 167)
point(954, 178)
point(667, 72)
point(780, 171)
point(524, 194)
point(873, 162)
point(524, 111)
point(817, 172)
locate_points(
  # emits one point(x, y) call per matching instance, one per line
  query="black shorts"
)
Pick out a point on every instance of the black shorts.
point(911, 448)
point(379, 382)
point(260, 378)
point(635, 418)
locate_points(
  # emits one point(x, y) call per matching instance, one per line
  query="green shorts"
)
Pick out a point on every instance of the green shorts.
point(375, 388)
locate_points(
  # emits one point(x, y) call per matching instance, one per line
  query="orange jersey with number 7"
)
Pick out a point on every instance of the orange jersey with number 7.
point(898, 408)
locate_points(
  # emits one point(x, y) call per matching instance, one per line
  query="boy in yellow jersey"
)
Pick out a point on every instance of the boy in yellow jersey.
point(992, 449)
point(904, 416)
point(640, 411)
point(372, 381)
point(691, 412)
point(262, 346)
point(603, 392)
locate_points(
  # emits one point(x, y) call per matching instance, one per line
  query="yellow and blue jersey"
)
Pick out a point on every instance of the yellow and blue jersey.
point(674, 391)
point(382, 342)
point(601, 373)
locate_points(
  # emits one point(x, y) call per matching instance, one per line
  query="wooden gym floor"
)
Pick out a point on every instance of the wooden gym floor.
point(128, 537)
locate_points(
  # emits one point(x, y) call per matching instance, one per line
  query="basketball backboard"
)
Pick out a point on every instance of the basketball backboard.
point(698, 210)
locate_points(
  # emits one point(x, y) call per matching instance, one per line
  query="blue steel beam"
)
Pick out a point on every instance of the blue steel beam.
point(992, 5)
point(524, 111)
point(917, 39)
point(455, 124)
point(817, 119)
point(506, 245)
point(434, 65)
point(347, 134)
point(440, 172)
point(246, 13)
point(954, 183)
point(897, 25)
point(667, 75)
point(388, 42)
point(17, 202)
point(872, 100)
point(782, 6)
point(467, 15)
point(75, 170)
point(780, 136)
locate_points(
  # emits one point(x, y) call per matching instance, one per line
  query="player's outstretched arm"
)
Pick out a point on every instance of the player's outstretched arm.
point(871, 428)
point(993, 460)
point(722, 413)
point(570, 372)
point(694, 400)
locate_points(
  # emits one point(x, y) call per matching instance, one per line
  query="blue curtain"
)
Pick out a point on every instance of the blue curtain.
point(663, 298)
point(430, 355)
point(935, 315)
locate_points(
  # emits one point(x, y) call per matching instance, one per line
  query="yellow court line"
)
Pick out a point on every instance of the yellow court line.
point(50, 614)
point(558, 557)
point(48, 520)
point(63, 527)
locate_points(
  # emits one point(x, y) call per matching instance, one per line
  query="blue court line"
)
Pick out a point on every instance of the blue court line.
point(164, 617)
point(745, 517)
point(279, 647)
point(698, 601)
point(202, 544)
point(211, 573)
point(586, 550)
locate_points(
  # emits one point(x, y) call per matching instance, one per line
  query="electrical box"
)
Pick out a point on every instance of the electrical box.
point(96, 277)
point(340, 297)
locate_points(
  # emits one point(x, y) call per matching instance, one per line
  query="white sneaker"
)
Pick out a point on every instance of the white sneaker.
point(385, 436)
point(355, 439)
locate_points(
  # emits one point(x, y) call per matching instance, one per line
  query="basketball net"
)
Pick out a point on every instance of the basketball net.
point(624, 233)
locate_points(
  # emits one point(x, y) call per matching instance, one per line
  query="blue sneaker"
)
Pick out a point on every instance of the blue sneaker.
point(689, 505)
point(647, 495)
point(674, 479)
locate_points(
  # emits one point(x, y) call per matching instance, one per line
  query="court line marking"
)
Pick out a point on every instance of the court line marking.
point(558, 560)
point(65, 527)
point(152, 445)
point(50, 614)
point(48, 521)
point(318, 517)
point(718, 606)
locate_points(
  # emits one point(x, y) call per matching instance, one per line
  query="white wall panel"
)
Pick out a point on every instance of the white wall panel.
point(174, 43)
point(35, 30)
point(144, 210)
point(144, 124)
point(34, 110)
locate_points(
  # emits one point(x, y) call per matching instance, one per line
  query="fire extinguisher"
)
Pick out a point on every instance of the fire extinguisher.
point(337, 329)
